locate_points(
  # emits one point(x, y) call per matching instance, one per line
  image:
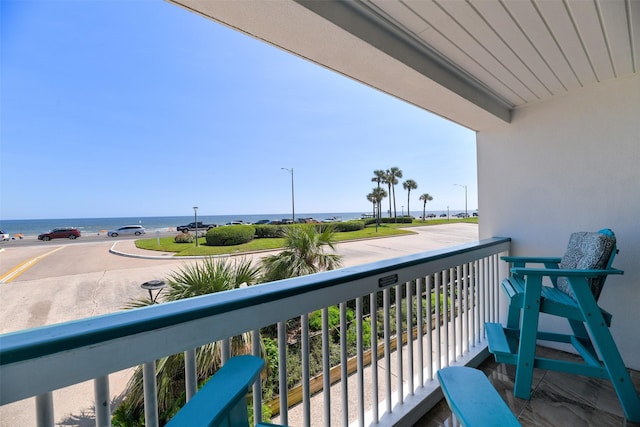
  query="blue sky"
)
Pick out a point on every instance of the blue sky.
point(140, 108)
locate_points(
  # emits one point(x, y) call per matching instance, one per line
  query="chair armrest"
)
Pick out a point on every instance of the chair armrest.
point(556, 272)
point(521, 261)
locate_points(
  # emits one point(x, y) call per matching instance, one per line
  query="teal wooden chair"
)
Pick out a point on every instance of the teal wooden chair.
point(222, 402)
point(573, 285)
point(473, 399)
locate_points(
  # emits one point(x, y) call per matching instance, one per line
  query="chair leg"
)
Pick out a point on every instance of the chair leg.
point(528, 337)
point(606, 346)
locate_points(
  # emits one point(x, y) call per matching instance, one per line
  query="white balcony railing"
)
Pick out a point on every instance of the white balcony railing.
point(413, 336)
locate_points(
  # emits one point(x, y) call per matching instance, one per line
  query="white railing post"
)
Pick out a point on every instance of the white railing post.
point(326, 367)
point(373, 309)
point(282, 372)
point(306, 392)
point(103, 401)
point(400, 389)
point(360, 361)
point(150, 394)
point(44, 410)
point(344, 373)
point(190, 373)
point(257, 386)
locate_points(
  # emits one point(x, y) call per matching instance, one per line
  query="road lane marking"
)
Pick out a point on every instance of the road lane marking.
point(21, 268)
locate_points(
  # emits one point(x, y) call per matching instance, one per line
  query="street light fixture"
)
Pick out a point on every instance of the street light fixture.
point(466, 213)
point(293, 205)
point(195, 219)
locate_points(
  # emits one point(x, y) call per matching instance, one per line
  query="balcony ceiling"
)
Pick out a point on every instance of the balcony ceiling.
point(470, 61)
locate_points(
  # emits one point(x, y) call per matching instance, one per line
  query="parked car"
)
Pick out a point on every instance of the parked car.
point(443, 215)
point(262, 221)
point(475, 214)
point(238, 222)
point(461, 215)
point(192, 227)
point(4, 236)
point(331, 219)
point(136, 230)
point(430, 215)
point(58, 233)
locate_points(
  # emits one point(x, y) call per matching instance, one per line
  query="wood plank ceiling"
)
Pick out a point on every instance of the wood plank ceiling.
point(525, 50)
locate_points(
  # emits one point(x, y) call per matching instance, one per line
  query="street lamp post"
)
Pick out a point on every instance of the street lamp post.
point(466, 213)
point(293, 205)
point(195, 219)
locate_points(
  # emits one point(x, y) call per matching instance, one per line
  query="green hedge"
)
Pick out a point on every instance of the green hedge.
point(387, 220)
point(341, 227)
point(230, 235)
point(184, 238)
point(269, 231)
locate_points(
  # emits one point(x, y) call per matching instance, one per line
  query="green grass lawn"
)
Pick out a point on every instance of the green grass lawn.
point(167, 244)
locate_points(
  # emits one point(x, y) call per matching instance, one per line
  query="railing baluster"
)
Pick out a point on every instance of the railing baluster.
point(429, 312)
point(387, 345)
point(452, 314)
point(465, 303)
point(409, 298)
point(150, 394)
point(438, 325)
point(44, 410)
point(373, 309)
point(103, 401)
point(459, 312)
point(306, 394)
point(326, 367)
point(344, 373)
point(190, 373)
point(360, 361)
point(282, 372)
point(399, 331)
point(420, 326)
point(257, 386)
point(445, 316)
point(225, 350)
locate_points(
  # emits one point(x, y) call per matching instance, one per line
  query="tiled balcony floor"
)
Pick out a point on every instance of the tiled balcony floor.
point(558, 399)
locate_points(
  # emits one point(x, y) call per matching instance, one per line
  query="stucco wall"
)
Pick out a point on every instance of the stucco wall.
point(571, 164)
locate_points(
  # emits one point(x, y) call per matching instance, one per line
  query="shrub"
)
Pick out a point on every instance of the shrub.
point(184, 238)
point(230, 235)
point(341, 227)
point(268, 231)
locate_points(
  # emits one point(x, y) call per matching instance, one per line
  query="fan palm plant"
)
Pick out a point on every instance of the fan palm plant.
point(303, 253)
point(204, 277)
point(409, 185)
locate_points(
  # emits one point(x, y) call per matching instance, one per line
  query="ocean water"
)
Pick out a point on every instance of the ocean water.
point(33, 227)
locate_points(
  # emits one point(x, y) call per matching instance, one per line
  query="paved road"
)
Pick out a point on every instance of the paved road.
point(69, 280)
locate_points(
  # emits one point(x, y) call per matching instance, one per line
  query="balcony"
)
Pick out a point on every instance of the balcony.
point(400, 390)
point(464, 278)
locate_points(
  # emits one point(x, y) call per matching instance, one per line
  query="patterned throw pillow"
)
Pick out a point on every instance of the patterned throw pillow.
point(587, 251)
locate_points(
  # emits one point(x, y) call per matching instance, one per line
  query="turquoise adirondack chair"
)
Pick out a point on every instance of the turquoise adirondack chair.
point(222, 402)
point(575, 282)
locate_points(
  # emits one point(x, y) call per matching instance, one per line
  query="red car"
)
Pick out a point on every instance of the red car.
point(62, 232)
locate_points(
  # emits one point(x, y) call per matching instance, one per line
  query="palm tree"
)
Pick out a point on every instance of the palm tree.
point(425, 197)
point(205, 277)
point(394, 173)
point(376, 196)
point(303, 254)
point(409, 185)
point(388, 179)
point(378, 176)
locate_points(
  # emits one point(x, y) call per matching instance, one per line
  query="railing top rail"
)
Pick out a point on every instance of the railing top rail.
point(43, 341)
